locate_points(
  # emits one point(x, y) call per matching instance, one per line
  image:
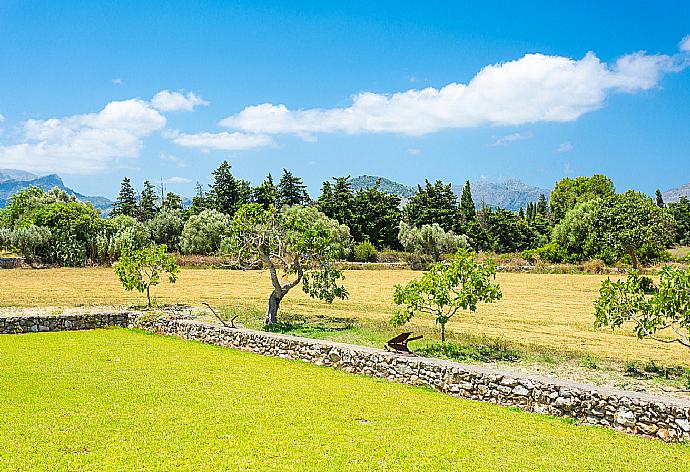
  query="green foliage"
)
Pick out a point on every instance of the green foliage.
point(228, 193)
point(298, 241)
point(126, 203)
point(568, 192)
point(166, 227)
point(468, 212)
point(430, 240)
point(376, 217)
point(628, 222)
point(551, 252)
point(291, 190)
point(681, 213)
point(365, 252)
point(31, 241)
point(200, 201)
point(507, 232)
point(147, 202)
point(486, 351)
point(433, 203)
point(665, 312)
point(446, 288)
point(203, 233)
point(574, 232)
point(141, 269)
point(172, 201)
point(265, 194)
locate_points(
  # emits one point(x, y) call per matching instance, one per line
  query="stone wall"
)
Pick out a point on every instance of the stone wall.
point(60, 322)
point(636, 413)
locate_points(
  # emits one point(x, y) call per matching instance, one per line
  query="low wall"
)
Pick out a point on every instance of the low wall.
point(636, 413)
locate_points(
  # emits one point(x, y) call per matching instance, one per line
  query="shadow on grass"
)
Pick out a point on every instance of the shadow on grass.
point(312, 325)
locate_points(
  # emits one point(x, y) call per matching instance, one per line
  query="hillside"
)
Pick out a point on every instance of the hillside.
point(674, 194)
point(13, 181)
point(387, 186)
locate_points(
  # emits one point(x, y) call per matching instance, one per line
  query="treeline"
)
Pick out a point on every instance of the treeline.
point(585, 219)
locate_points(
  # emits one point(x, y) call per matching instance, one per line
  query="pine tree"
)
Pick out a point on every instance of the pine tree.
point(336, 200)
point(291, 190)
point(433, 203)
point(227, 193)
point(199, 201)
point(542, 206)
point(265, 194)
point(147, 202)
point(468, 211)
point(521, 213)
point(126, 203)
point(172, 201)
point(660, 199)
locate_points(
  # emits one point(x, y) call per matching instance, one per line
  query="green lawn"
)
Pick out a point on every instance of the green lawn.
point(123, 400)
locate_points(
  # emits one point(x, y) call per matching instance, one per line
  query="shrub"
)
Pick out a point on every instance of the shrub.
point(166, 228)
point(31, 241)
point(431, 240)
point(365, 252)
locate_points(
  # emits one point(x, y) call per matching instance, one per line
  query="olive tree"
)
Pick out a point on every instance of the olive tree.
point(446, 288)
point(142, 268)
point(663, 315)
point(296, 244)
point(431, 239)
point(203, 233)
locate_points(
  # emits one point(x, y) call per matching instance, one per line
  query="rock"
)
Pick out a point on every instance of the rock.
point(521, 391)
point(625, 417)
point(684, 424)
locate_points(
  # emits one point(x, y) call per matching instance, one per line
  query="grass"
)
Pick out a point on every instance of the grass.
point(546, 311)
point(123, 400)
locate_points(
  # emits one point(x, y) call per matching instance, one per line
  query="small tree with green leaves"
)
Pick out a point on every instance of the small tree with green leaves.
point(143, 268)
point(663, 315)
point(447, 288)
point(296, 244)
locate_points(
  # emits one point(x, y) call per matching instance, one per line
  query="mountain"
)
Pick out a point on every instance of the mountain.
point(13, 181)
point(511, 194)
point(674, 194)
point(387, 186)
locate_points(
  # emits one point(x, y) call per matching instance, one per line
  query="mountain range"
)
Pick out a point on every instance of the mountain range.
point(674, 194)
point(13, 181)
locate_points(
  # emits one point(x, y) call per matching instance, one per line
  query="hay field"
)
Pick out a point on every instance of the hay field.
point(544, 310)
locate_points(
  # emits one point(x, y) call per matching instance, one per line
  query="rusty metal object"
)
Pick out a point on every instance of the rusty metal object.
point(399, 343)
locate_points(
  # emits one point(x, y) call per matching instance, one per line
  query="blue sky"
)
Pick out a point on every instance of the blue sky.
point(409, 90)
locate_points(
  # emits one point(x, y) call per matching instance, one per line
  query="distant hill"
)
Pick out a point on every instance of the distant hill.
point(674, 194)
point(13, 181)
point(511, 194)
point(387, 186)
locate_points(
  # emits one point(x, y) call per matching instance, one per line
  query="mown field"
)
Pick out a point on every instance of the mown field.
point(123, 400)
point(551, 311)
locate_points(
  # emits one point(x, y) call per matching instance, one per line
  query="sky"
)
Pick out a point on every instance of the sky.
point(165, 91)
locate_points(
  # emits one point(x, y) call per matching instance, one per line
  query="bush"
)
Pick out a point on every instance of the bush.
point(431, 240)
point(32, 241)
point(484, 351)
point(365, 252)
point(166, 228)
point(203, 233)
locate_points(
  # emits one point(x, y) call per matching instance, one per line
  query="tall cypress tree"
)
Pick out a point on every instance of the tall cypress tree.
point(542, 206)
point(468, 211)
point(147, 203)
point(291, 190)
point(336, 200)
point(660, 199)
point(227, 193)
point(126, 203)
point(199, 201)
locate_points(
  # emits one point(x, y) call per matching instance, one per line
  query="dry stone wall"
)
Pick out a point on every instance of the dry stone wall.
point(636, 413)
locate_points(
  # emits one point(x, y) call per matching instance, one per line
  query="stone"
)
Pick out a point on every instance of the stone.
point(684, 424)
point(521, 391)
point(625, 417)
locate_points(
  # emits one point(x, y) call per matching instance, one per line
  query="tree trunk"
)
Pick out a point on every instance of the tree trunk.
point(272, 310)
point(633, 257)
point(148, 295)
point(443, 332)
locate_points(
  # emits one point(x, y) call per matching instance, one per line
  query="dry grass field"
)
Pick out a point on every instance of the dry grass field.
point(542, 310)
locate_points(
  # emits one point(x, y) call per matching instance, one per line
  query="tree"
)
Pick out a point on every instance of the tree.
point(31, 241)
point(337, 200)
point(227, 193)
point(166, 227)
point(143, 268)
point(681, 213)
point(660, 199)
point(203, 233)
point(265, 194)
point(291, 190)
point(542, 207)
point(445, 289)
point(431, 240)
point(126, 203)
point(664, 316)
point(574, 232)
point(569, 192)
point(376, 217)
point(507, 232)
point(199, 201)
point(631, 221)
point(468, 211)
point(433, 203)
point(294, 241)
point(172, 201)
point(147, 202)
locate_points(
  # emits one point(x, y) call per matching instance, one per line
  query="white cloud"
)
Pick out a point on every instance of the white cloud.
point(414, 151)
point(179, 162)
point(83, 144)
point(509, 138)
point(177, 180)
point(565, 147)
point(2, 118)
point(220, 141)
point(685, 44)
point(165, 100)
point(116, 81)
point(534, 88)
